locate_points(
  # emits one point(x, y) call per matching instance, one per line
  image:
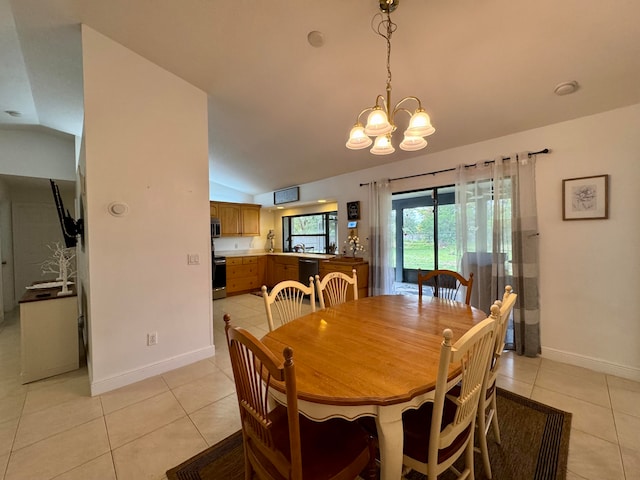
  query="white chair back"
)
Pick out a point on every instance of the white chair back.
point(288, 299)
point(334, 287)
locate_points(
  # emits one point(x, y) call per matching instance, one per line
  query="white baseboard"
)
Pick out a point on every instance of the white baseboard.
point(596, 364)
point(104, 385)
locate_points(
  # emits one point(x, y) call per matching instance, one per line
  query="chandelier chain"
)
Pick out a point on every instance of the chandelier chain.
point(385, 29)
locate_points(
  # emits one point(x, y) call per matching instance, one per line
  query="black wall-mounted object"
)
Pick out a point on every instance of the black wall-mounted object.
point(70, 228)
point(291, 194)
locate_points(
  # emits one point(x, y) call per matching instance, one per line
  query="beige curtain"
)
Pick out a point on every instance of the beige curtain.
point(497, 240)
point(380, 270)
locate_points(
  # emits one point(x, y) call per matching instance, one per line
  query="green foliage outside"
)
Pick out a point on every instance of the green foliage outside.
point(419, 248)
point(421, 255)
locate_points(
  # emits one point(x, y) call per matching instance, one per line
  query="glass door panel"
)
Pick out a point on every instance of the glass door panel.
point(418, 242)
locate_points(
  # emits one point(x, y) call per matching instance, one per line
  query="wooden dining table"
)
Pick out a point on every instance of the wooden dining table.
point(375, 356)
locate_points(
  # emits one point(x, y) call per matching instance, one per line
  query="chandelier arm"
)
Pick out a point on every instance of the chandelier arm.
point(368, 109)
point(396, 110)
point(411, 97)
point(380, 103)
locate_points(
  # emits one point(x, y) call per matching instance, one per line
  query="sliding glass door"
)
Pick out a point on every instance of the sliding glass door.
point(425, 232)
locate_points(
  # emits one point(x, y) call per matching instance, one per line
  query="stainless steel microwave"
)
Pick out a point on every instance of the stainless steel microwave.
point(215, 227)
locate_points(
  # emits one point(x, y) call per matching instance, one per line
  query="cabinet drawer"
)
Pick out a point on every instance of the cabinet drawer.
point(241, 284)
point(239, 271)
point(242, 260)
point(234, 261)
point(286, 260)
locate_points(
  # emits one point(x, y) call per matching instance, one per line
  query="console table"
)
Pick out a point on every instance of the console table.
point(48, 333)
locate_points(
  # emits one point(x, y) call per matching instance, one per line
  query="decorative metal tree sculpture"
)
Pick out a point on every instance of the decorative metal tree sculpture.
point(62, 264)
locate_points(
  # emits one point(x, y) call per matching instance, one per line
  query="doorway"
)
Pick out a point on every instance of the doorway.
point(424, 232)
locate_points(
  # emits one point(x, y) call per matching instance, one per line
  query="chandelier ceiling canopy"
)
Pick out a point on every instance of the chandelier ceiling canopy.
point(381, 119)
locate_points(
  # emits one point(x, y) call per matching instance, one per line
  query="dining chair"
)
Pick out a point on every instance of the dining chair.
point(445, 284)
point(288, 298)
point(279, 443)
point(487, 408)
point(440, 432)
point(335, 287)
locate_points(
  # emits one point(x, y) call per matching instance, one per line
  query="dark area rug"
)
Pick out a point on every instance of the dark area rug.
point(535, 445)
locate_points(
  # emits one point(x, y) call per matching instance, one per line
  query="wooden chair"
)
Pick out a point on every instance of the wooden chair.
point(287, 297)
point(279, 443)
point(445, 284)
point(335, 286)
point(438, 433)
point(487, 408)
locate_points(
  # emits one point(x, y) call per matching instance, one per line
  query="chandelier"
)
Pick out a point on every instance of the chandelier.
point(381, 119)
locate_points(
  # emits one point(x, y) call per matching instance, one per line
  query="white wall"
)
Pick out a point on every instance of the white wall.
point(222, 193)
point(590, 308)
point(145, 144)
point(41, 153)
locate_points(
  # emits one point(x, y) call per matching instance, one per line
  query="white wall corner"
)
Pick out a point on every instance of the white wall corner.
point(591, 363)
point(104, 385)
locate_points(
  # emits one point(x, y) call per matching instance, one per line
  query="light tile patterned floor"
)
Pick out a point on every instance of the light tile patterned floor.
point(54, 429)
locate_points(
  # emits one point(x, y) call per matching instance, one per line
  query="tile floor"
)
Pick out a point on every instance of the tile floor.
point(53, 428)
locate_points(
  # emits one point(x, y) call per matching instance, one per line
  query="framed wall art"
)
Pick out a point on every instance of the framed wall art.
point(353, 210)
point(585, 198)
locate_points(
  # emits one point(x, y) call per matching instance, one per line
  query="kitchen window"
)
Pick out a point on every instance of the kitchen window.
point(310, 233)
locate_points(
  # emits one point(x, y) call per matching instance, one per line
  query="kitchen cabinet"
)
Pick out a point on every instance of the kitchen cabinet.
point(237, 219)
point(242, 275)
point(213, 210)
point(262, 270)
point(346, 265)
point(48, 334)
point(282, 267)
point(250, 215)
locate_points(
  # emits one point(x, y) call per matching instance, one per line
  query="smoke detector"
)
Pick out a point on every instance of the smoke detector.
point(566, 88)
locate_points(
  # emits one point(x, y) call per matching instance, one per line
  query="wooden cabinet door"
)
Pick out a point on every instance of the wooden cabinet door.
point(229, 219)
point(213, 209)
point(285, 268)
point(270, 279)
point(250, 220)
point(262, 270)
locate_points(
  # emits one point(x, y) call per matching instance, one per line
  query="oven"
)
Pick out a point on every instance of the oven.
point(219, 272)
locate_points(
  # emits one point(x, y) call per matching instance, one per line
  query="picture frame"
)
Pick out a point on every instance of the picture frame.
point(353, 210)
point(585, 198)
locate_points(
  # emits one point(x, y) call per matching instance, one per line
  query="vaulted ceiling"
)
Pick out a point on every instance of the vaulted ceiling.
point(280, 109)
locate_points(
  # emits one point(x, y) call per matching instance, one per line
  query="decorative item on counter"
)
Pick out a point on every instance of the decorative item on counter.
point(353, 244)
point(270, 237)
point(62, 264)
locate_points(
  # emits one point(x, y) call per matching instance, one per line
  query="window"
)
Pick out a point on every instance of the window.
point(311, 233)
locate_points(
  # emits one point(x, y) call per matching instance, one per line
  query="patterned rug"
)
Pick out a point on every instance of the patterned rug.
point(535, 445)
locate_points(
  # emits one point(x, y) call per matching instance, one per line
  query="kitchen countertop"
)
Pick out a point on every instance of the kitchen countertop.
point(319, 256)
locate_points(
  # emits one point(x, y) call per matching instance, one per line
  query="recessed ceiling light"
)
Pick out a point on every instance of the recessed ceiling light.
point(322, 201)
point(315, 38)
point(566, 88)
point(13, 113)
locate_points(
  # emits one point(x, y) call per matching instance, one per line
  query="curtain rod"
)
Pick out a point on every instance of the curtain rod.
point(487, 162)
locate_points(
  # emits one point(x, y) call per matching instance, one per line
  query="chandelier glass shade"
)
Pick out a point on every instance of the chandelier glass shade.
point(381, 119)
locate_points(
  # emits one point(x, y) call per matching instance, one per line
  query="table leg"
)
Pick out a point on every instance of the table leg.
point(390, 440)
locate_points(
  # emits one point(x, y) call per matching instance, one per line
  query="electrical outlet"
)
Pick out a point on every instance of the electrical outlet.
point(193, 259)
point(152, 338)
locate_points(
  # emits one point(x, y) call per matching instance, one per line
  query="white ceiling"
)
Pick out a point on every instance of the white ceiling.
point(280, 110)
